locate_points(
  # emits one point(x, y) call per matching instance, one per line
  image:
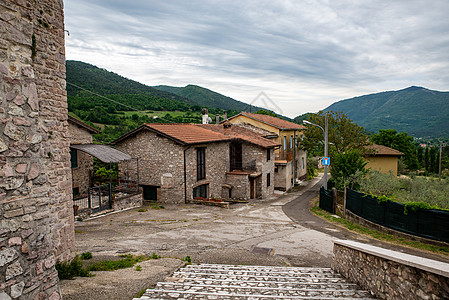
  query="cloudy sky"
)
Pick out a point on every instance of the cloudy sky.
point(304, 55)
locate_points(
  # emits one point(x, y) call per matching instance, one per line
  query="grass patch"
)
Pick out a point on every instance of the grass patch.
point(138, 268)
point(377, 234)
point(187, 259)
point(142, 210)
point(127, 261)
point(140, 294)
point(156, 206)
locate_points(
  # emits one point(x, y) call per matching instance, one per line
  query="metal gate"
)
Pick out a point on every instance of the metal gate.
point(100, 197)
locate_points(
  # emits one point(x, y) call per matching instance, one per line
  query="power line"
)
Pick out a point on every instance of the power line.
point(115, 101)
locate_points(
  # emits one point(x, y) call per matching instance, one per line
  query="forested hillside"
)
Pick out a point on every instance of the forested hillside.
point(206, 97)
point(416, 110)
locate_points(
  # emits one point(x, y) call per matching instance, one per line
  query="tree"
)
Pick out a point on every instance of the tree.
point(266, 112)
point(399, 141)
point(343, 134)
point(347, 167)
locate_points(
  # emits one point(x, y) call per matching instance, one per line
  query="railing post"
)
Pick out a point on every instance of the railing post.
point(89, 203)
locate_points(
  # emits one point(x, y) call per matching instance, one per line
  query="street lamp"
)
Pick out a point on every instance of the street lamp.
point(325, 129)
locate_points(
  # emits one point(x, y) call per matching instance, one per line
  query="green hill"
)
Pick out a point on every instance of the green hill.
point(416, 110)
point(206, 97)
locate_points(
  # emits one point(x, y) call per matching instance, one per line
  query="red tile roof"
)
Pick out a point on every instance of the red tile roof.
point(241, 133)
point(273, 121)
point(185, 134)
point(384, 150)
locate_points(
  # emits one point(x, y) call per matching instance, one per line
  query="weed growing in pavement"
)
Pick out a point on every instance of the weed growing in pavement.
point(86, 255)
point(142, 210)
point(377, 234)
point(140, 294)
point(156, 206)
point(155, 256)
point(138, 268)
point(68, 270)
point(127, 261)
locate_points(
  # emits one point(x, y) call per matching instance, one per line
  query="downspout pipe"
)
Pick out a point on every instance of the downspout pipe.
point(185, 175)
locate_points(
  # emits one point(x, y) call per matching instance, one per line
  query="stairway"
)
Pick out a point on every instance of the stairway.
point(207, 281)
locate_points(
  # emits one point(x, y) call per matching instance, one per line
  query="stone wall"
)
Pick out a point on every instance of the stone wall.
point(82, 173)
point(129, 201)
point(257, 156)
point(240, 186)
point(217, 164)
point(390, 274)
point(36, 214)
point(161, 163)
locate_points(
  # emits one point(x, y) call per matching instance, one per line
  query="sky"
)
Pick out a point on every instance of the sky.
point(300, 56)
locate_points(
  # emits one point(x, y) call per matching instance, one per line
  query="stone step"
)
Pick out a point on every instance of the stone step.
point(254, 282)
point(295, 284)
point(248, 290)
point(244, 275)
point(176, 294)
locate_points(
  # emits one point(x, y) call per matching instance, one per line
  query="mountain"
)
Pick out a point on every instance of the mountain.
point(416, 110)
point(206, 97)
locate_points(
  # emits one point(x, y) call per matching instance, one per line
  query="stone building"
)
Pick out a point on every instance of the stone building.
point(179, 162)
point(36, 214)
point(290, 161)
point(81, 162)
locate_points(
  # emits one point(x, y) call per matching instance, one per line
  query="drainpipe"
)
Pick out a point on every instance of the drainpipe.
point(185, 175)
point(294, 158)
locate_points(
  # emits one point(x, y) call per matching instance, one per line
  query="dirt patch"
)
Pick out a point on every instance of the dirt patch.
point(120, 284)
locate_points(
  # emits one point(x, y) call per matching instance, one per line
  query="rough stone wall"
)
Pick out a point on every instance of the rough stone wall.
point(217, 164)
point(127, 202)
point(255, 155)
point(36, 214)
point(240, 186)
point(81, 174)
point(388, 279)
point(161, 163)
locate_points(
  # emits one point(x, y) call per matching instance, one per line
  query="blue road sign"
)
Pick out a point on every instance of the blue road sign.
point(326, 161)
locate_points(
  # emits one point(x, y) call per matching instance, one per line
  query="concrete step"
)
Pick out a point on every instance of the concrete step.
point(209, 281)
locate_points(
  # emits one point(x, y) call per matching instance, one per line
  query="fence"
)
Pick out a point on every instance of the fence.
point(428, 223)
point(326, 200)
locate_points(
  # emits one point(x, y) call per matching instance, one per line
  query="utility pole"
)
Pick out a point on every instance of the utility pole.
point(325, 147)
point(441, 152)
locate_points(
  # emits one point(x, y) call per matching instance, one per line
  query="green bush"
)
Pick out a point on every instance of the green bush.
point(68, 270)
point(86, 255)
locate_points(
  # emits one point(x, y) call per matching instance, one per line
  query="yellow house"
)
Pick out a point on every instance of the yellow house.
point(383, 159)
point(290, 161)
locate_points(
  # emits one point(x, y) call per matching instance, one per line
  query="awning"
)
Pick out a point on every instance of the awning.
point(104, 153)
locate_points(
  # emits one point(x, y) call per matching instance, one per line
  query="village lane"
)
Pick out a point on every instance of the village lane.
point(239, 235)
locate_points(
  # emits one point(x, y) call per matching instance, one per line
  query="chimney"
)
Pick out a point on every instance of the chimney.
point(217, 119)
point(205, 112)
point(225, 115)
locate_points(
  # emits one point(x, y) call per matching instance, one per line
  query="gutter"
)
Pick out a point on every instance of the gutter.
point(185, 175)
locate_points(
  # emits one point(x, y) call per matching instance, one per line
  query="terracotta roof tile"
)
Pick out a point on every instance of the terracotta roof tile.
point(273, 121)
point(242, 133)
point(188, 133)
point(384, 150)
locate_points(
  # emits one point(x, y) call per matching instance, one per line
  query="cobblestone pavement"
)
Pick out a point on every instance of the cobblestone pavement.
point(208, 281)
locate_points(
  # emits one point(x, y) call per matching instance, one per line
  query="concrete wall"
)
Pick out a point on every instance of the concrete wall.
point(384, 164)
point(283, 177)
point(36, 214)
point(389, 274)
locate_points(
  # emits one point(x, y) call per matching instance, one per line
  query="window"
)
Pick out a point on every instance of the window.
point(291, 141)
point(285, 142)
point(268, 179)
point(201, 191)
point(74, 158)
point(235, 153)
point(268, 154)
point(302, 162)
point(200, 163)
